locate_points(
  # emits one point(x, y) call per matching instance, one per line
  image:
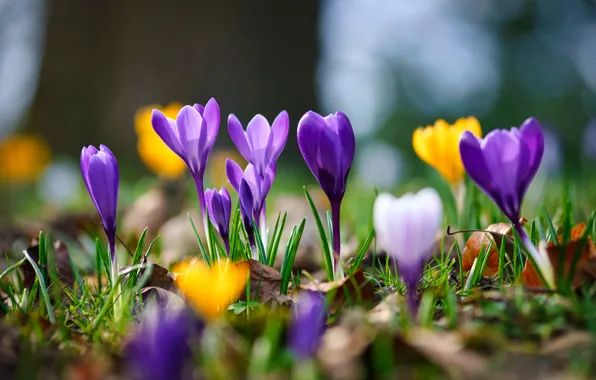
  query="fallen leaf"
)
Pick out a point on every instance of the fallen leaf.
point(265, 282)
point(480, 240)
point(164, 298)
point(446, 350)
point(160, 277)
point(585, 270)
point(356, 287)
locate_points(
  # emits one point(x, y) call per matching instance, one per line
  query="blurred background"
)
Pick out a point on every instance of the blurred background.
point(75, 73)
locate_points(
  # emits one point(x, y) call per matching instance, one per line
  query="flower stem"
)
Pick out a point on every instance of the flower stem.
point(118, 305)
point(541, 261)
point(263, 226)
point(202, 205)
point(335, 210)
point(458, 190)
point(226, 241)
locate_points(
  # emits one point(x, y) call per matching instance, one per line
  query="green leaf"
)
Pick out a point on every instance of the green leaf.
point(324, 242)
point(43, 287)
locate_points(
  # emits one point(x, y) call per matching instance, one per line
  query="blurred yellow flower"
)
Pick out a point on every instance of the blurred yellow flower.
point(152, 150)
point(217, 166)
point(438, 146)
point(23, 158)
point(210, 290)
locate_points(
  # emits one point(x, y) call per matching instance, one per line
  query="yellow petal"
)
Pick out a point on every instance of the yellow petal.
point(210, 290)
point(23, 158)
point(438, 146)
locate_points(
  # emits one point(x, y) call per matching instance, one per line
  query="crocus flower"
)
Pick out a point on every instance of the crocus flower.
point(210, 290)
point(255, 192)
point(260, 144)
point(191, 136)
point(154, 153)
point(219, 205)
point(100, 173)
point(503, 165)
point(307, 325)
point(23, 158)
point(328, 146)
point(438, 146)
point(160, 349)
point(406, 228)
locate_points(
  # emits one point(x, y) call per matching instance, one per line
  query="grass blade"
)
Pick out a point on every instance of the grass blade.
point(323, 236)
point(43, 287)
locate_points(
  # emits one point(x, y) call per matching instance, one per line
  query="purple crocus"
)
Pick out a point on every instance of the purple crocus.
point(219, 205)
point(307, 325)
point(405, 229)
point(260, 144)
point(503, 164)
point(99, 169)
point(252, 197)
point(161, 348)
point(191, 136)
point(328, 146)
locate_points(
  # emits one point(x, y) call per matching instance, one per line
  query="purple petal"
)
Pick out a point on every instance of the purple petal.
point(227, 204)
point(200, 109)
point(254, 180)
point(166, 129)
point(101, 183)
point(239, 137)
point(257, 134)
point(307, 325)
point(329, 161)
point(503, 157)
point(279, 134)
point(532, 138)
point(208, 202)
point(211, 115)
point(218, 213)
point(473, 159)
point(234, 173)
point(190, 123)
point(309, 129)
point(348, 140)
point(246, 203)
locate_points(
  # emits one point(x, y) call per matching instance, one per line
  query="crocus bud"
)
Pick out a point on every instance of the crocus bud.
point(503, 164)
point(406, 228)
point(307, 325)
point(219, 205)
point(191, 136)
point(260, 144)
point(328, 146)
point(99, 169)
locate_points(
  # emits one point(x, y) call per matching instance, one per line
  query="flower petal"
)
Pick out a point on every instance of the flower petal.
point(347, 139)
point(166, 129)
point(532, 138)
point(279, 134)
point(211, 115)
point(257, 134)
point(239, 137)
point(309, 128)
point(101, 179)
point(473, 159)
point(190, 123)
point(234, 173)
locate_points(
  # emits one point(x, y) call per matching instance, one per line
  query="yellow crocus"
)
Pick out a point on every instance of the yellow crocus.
point(438, 146)
point(217, 166)
point(210, 290)
point(153, 151)
point(23, 158)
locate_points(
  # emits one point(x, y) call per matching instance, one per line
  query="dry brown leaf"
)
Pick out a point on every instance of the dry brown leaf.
point(351, 288)
point(585, 270)
point(63, 263)
point(265, 282)
point(481, 239)
point(446, 350)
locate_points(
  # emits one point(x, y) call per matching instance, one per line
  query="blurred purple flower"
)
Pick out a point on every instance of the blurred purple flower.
point(328, 146)
point(219, 205)
point(406, 229)
point(191, 136)
point(160, 349)
point(503, 164)
point(308, 324)
point(254, 192)
point(99, 169)
point(260, 144)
